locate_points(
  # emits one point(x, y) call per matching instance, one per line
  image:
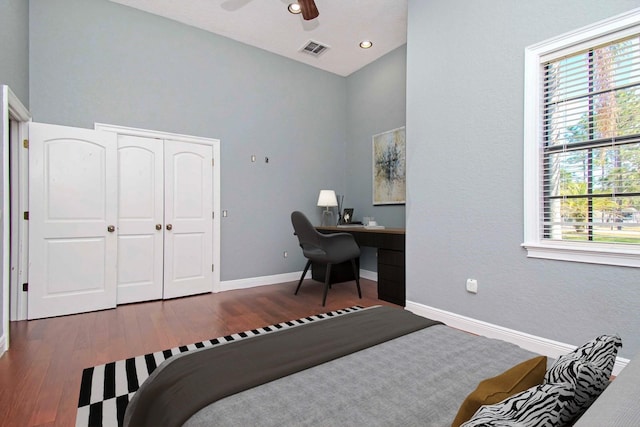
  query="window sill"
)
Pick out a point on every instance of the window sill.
point(592, 254)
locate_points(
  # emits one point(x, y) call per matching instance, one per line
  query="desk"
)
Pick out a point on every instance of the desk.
point(391, 268)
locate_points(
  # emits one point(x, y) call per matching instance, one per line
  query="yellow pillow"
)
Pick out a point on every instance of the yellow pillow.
point(493, 390)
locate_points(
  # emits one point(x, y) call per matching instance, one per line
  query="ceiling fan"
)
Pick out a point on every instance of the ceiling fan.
point(308, 9)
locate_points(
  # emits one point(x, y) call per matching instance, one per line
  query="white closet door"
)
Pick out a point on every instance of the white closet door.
point(188, 219)
point(73, 213)
point(140, 218)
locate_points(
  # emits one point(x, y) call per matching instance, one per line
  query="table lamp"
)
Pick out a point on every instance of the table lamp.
point(327, 199)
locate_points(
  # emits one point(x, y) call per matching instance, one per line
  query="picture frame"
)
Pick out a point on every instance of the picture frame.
point(389, 167)
point(347, 216)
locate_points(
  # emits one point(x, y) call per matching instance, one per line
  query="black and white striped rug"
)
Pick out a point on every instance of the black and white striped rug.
point(106, 389)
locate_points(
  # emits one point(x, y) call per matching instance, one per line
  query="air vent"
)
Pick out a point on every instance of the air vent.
point(314, 48)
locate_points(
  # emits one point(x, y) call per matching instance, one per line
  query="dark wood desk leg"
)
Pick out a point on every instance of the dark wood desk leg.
point(327, 282)
point(391, 276)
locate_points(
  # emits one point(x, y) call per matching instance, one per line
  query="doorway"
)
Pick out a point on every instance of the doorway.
point(13, 127)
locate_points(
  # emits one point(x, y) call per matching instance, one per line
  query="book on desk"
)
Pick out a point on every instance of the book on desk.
point(366, 227)
point(358, 224)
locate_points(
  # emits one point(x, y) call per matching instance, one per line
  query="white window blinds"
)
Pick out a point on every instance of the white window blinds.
point(590, 147)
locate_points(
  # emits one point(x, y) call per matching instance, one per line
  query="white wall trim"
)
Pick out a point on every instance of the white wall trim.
point(19, 183)
point(610, 29)
point(533, 343)
point(368, 274)
point(601, 253)
point(16, 115)
point(250, 282)
point(17, 110)
point(150, 133)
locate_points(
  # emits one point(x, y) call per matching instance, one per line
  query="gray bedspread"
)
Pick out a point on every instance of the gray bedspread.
point(419, 379)
point(186, 383)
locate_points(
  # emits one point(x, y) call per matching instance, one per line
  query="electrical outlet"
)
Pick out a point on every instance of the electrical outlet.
point(472, 286)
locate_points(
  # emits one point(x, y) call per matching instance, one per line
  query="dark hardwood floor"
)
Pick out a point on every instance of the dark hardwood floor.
point(40, 374)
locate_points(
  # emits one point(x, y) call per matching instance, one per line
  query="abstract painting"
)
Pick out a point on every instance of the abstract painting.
point(389, 167)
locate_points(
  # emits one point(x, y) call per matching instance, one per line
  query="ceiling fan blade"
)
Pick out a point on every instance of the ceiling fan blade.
point(309, 9)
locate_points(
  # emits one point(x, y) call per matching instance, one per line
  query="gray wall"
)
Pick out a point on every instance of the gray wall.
point(14, 49)
point(97, 61)
point(465, 172)
point(376, 103)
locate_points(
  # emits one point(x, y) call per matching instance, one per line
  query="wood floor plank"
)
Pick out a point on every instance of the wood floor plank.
point(40, 374)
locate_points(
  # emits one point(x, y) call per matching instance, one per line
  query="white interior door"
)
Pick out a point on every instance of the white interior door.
point(188, 219)
point(140, 218)
point(72, 219)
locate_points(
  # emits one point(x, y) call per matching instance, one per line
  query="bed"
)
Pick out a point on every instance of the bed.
point(378, 366)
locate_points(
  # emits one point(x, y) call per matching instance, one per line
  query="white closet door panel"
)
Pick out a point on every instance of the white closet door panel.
point(140, 211)
point(188, 217)
point(72, 202)
point(189, 252)
point(60, 256)
point(74, 176)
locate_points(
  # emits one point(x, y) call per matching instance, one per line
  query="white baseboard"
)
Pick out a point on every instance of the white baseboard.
point(250, 282)
point(371, 275)
point(533, 343)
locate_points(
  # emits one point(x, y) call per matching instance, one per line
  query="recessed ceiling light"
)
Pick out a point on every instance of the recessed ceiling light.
point(294, 8)
point(366, 44)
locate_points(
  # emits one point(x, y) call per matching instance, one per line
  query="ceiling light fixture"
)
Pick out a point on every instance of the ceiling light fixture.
point(366, 44)
point(294, 8)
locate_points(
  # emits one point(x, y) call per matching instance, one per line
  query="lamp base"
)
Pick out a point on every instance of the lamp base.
point(327, 219)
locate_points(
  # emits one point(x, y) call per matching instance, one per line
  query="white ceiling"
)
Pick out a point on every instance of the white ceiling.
point(267, 24)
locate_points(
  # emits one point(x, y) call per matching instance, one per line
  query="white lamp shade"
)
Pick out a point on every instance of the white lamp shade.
point(327, 198)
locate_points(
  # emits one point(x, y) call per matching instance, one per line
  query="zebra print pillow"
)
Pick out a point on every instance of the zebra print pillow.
point(601, 351)
point(539, 406)
point(588, 368)
point(587, 380)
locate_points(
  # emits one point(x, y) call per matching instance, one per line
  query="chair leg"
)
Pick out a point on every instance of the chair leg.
point(304, 273)
point(327, 282)
point(356, 274)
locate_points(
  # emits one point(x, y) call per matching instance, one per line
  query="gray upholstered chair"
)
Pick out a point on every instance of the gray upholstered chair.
point(326, 249)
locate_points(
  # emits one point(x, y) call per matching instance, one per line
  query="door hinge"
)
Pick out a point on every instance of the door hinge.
point(213, 215)
point(25, 215)
point(25, 143)
point(213, 162)
point(25, 287)
point(212, 269)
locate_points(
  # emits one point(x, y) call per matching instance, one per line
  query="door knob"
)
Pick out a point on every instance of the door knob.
point(111, 229)
point(158, 226)
point(169, 226)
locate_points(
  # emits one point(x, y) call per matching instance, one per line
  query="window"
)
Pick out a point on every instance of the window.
point(582, 144)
